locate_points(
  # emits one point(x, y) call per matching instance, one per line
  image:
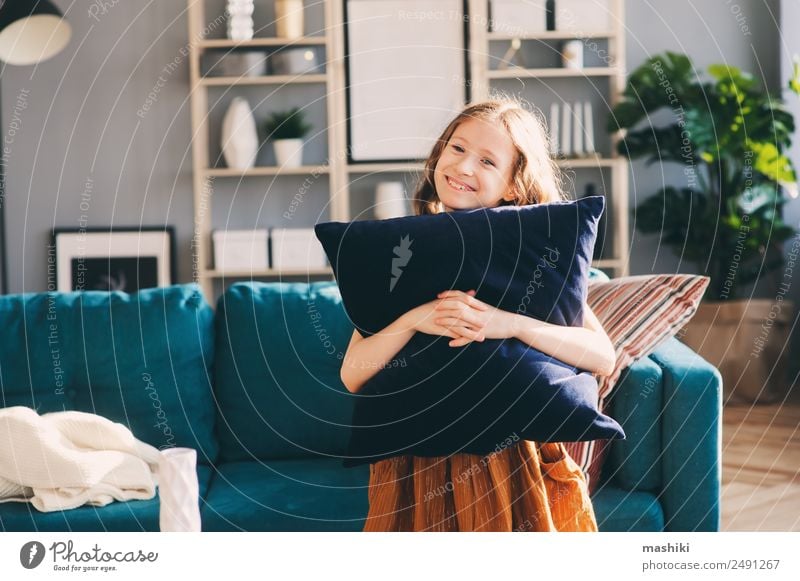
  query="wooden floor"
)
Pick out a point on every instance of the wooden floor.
point(761, 466)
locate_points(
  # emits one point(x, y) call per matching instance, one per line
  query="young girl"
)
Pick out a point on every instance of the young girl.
point(493, 153)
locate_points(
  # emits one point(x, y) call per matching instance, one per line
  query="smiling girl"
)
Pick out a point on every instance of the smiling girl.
point(493, 153)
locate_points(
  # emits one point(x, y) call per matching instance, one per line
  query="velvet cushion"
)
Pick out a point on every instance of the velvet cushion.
point(433, 399)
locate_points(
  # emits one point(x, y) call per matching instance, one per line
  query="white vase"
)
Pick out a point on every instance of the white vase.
point(239, 140)
point(289, 18)
point(178, 491)
point(288, 152)
point(240, 19)
point(390, 200)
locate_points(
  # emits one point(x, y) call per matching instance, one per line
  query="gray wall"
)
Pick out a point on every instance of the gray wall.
point(75, 120)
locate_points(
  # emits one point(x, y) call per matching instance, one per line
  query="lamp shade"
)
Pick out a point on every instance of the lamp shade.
point(31, 34)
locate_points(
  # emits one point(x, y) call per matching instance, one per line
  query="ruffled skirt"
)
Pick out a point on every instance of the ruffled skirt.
point(525, 487)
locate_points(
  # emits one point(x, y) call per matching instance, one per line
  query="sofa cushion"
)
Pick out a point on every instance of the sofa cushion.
point(130, 516)
point(435, 400)
point(638, 313)
point(142, 360)
point(279, 350)
point(287, 495)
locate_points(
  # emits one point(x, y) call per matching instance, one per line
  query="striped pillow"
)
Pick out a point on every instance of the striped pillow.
point(637, 313)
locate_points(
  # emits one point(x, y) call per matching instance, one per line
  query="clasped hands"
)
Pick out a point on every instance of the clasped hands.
point(462, 317)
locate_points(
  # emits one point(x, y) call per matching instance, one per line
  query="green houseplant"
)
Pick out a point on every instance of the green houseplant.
point(729, 134)
point(286, 130)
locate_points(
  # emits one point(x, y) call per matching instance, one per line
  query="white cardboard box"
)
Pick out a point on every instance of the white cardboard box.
point(296, 249)
point(518, 17)
point(240, 249)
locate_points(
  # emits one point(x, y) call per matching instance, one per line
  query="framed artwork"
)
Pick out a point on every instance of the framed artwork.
point(407, 75)
point(108, 259)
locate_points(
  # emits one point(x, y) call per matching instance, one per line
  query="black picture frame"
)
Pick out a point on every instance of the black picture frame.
point(127, 258)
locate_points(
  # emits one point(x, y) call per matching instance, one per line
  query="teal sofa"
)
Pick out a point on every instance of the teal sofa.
point(255, 388)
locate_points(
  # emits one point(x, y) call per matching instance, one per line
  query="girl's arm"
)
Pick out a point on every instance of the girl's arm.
point(366, 356)
point(586, 347)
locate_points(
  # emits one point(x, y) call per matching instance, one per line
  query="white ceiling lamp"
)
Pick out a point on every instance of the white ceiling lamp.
point(31, 34)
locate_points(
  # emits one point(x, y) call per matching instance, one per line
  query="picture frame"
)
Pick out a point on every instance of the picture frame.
point(127, 259)
point(392, 48)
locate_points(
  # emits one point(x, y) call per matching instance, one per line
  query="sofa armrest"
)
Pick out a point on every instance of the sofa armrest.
point(691, 433)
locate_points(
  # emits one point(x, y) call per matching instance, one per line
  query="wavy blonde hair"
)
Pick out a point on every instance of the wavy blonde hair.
point(535, 176)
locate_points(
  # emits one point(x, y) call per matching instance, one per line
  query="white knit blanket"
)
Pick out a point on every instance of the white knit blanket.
point(63, 460)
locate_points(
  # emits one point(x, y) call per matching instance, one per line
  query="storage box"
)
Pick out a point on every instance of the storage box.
point(240, 249)
point(296, 249)
point(518, 17)
point(583, 16)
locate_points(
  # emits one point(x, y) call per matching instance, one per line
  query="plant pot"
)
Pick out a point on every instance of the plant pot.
point(288, 152)
point(289, 18)
point(746, 341)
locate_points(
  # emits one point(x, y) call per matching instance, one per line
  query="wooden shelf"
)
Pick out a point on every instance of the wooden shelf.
point(551, 35)
point(385, 167)
point(264, 80)
point(582, 162)
point(260, 42)
point(224, 172)
point(518, 72)
point(268, 272)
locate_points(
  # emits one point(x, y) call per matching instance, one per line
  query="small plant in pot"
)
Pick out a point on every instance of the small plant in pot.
point(286, 130)
point(729, 135)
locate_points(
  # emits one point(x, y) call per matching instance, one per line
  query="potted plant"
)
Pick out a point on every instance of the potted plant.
point(286, 130)
point(729, 134)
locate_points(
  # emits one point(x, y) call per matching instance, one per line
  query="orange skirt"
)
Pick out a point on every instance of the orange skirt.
point(524, 487)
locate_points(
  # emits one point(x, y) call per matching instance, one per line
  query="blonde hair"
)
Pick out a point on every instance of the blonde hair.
point(535, 176)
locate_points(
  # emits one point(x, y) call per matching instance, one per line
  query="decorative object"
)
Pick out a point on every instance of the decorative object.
point(390, 200)
point(572, 54)
point(577, 129)
point(289, 18)
point(523, 17)
point(588, 124)
point(727, 219)
point(554, 142)
point(296, 249)
point(250, 63)
point(240, 249)
point(294, 61)
point(286, 130)
point(583, 16)
point(240, 19)
point(178, 491)
point(638, 313)
point(496, 387)
point(565, 146)
point(239, 139)
point(512, 56)
point(388, 57)
point(114, 259)
point(29, 34)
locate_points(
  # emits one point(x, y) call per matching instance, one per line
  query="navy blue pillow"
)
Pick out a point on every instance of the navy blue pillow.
point(436, 400)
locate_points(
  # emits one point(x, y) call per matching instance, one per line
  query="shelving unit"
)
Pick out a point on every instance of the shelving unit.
point(344, 179)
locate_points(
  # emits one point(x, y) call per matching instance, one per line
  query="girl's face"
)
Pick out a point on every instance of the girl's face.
point(474, 169)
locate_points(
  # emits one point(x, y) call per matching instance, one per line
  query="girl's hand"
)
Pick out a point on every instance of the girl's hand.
point(463, 313)
point(422, 319)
